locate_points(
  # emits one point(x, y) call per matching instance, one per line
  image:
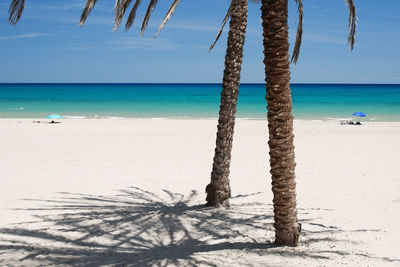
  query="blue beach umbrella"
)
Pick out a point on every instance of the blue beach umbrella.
point(54, 117)
point(359, 114)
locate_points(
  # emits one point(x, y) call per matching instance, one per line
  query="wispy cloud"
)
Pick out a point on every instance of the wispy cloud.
point(142, 44)
point(74, 4)
point(127, 43)
point(63, 7)
point(320, 15)
point(203, 28)
point(70, 19)
point(323, 38)
point(24, 36)
point(80, 47)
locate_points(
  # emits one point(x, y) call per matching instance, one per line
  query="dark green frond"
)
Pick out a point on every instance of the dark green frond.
point(150, 9)
point(132, 15)
point(86, 11)
point(15, 11)
point(228, 14)
point(168, 16)
point(352, 23)
point(120, 9)
point(299, 34)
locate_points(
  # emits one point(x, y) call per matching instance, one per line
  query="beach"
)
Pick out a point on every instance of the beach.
point(91, 192)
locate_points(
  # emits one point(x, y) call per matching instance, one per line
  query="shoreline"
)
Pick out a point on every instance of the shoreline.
point(330, 121)
point(72, 118)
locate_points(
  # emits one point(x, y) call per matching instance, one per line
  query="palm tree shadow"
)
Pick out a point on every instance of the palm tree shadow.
point(140, 228)
point(134, 227)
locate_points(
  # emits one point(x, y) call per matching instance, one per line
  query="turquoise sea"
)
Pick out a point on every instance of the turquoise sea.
point(310, 101)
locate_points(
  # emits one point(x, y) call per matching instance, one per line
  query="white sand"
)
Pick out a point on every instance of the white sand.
point(119, 192)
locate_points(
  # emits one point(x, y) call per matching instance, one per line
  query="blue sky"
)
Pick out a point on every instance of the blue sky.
point(48, 46)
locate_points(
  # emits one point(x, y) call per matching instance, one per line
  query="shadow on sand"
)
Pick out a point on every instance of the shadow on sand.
point(140, 228)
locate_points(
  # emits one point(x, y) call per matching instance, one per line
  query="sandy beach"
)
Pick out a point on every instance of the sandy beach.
point(89, 192)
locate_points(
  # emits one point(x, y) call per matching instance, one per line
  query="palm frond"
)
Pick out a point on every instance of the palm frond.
point(120, 9)
point(352, 23)
point(296, 49)
point(132, 15)
point(117, 8)
point(228, 14)
point(86, 11)
point(117, 4)
point(15, 11)
point(168, 16)
point(150, 8)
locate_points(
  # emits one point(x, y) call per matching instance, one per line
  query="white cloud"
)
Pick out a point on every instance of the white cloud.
point(324, 38)
point(80, 48)
point(24, 35)
point(127, 43)
point(63, 7)
point(142, 44)
point(193, 27)
point(74, 4)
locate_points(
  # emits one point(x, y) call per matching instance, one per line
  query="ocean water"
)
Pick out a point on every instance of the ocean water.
point(310, 101)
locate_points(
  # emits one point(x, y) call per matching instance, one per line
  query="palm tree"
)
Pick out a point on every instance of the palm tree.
point(218, 190)
point(280, 118)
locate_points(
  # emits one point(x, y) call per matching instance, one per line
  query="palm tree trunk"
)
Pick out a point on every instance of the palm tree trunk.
point(280, 120)
point(218, 191)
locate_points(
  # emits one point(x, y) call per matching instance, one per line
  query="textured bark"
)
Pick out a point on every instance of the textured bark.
point(280, 120)
point(218, 191)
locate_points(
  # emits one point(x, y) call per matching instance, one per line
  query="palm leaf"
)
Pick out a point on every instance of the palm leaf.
point(132, 15)
point(228, 14)
point(150, 8)
point(168, 16)
point(296, 49)
point(120, 10)
point(86, 11)
point(352, 23)
point(15, 11)
point(117, 4)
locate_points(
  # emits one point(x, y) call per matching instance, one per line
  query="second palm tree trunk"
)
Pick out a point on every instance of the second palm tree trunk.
point(218, 191)
point(280, 120)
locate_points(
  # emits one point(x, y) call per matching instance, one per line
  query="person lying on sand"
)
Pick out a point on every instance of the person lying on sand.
point(350, 123)
point(48, 122)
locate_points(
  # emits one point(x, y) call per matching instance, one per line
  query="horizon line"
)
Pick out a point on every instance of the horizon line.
point(178, 83)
